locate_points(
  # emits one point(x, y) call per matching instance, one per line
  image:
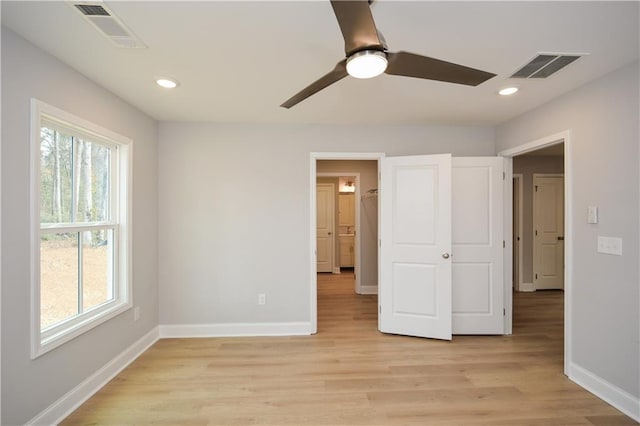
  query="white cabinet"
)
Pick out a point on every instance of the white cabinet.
point(347, 251)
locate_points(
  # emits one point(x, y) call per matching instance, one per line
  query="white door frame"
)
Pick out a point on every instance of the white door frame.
point(357, 219)
point(313, 157)
point(566, 137)
point(519, 177)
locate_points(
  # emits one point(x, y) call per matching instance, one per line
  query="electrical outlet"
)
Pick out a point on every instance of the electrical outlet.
point(610, 245)
point(262, 299)
point(136, 313)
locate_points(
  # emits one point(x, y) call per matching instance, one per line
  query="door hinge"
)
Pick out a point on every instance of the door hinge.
point(379, 243)
point(536, 276)
point(504, 244)
point(380, 309)
point(504, 176)
point(536, 186)
point(504, 312)
point(536, 232)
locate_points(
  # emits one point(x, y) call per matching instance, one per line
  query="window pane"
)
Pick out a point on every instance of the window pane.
point(56, 171)
point(93, 181)
point(97, 268)
point(58, 278)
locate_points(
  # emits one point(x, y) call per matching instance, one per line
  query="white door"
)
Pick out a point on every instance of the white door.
point(325, 218)
point(477, 253)
point(548, 232)
point(415, 233)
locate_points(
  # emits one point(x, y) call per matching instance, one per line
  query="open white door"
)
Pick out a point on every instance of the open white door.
point(415, 234)
point(477, 239)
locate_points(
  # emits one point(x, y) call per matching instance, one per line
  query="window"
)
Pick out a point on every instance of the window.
point(80, 213)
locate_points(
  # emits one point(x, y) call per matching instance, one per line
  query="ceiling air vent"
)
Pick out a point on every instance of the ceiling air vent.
point(108, 24)
point(545, 64)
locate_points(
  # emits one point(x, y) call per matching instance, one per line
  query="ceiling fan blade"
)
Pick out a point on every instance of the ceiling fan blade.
point(412, 65)
point(338, 73)
point(357, 25)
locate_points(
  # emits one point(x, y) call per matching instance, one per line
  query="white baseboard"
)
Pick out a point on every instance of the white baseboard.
point(368, 289)
point(336, 270)
point(527, 287)
point(235, 329)
point(606, 391)
point(65, 405)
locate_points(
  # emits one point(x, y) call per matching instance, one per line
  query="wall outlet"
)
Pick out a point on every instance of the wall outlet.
point(610, 245)
point(136, 313)
point(262, 299)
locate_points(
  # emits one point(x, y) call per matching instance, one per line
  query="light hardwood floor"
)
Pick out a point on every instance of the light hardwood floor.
point(350, 374)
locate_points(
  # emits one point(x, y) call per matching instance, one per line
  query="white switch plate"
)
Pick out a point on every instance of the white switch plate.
point(262, 299)
point(592, 214)
point(610, 245)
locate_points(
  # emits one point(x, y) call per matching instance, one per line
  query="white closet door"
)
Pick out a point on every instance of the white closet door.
point(415, 232)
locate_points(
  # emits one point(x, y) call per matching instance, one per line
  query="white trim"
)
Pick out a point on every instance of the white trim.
point(619, 398)
point(507, 235)
point(336, 269)
point(527, 287)
point(368, 289)
point(566, 137)
point(313, 157)
point(357, 257)
point(122, 176)
point(520, 178)
point(235, 329)
point(66, 404)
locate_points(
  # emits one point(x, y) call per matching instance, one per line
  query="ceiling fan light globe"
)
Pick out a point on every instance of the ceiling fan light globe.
point(367, 64)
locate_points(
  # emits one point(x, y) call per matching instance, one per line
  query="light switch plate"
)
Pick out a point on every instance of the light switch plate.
point(610, 245)
point(592, 214)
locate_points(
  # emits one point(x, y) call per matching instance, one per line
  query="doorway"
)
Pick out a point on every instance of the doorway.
point(546, 155)
point(363, 168)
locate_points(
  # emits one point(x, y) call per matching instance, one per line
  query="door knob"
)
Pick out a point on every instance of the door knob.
point(560, 238)
point(445, 255)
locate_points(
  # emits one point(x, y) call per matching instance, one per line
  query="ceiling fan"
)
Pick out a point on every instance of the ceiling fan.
point(367, 56)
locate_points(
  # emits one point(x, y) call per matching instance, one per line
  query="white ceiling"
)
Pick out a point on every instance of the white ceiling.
point(238, 61)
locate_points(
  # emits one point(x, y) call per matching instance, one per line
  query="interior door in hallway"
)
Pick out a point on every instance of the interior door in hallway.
point(325, 226)
point(548, 232)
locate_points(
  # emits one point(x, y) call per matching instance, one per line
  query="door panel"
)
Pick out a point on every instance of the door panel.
point(548, 223)
point(478, 292)
point(415, 231)
point(325, 204)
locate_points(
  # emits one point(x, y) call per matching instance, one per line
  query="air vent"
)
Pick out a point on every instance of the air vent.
point(92, 10)
point(108, 24)
point(545, 64)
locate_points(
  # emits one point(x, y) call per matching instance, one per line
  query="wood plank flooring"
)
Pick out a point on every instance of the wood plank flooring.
point(350, 374)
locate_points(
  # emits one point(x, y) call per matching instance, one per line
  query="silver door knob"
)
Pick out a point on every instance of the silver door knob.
point(445, 255)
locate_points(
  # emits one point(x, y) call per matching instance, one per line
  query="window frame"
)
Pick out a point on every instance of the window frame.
point(42, 341)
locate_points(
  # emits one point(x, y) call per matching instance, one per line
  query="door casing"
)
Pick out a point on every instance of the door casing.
point(556, 138)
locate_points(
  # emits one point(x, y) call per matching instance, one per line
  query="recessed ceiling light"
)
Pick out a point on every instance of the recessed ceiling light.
point(167, 83)
point(508, 91)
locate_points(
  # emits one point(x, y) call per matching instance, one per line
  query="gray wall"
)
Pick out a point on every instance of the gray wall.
point(234, 211)
point(30, 386)
point(603, 118)
point(368, 213)
point(527, 166)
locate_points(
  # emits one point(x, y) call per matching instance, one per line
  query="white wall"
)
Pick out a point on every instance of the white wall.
point(603, 118)
point(30, 386)
point(234, 211)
